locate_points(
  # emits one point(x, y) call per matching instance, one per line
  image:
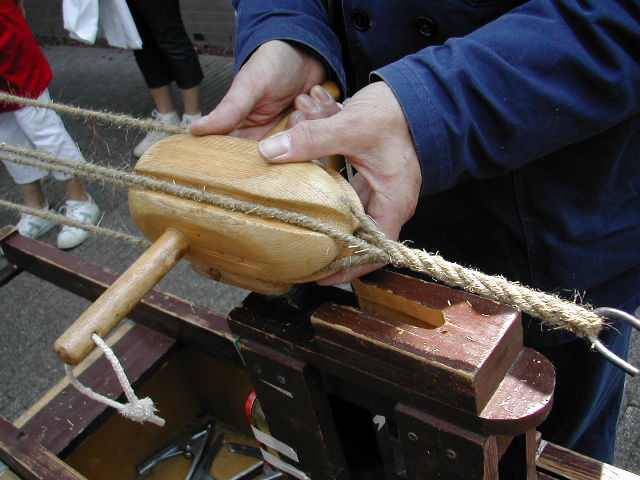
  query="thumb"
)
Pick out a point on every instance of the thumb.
point(305, 141)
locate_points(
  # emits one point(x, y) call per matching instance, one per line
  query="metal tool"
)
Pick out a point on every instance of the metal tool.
point(624, 317)
point(261, 466)
point(192, 445)
point(201, 469)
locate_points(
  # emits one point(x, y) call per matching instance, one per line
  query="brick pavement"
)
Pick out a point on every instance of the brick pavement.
point(33, 313)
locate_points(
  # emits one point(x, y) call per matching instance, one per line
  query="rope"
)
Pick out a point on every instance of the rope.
point(114, 118)
point(136, 409)
point(62, 220)
point(126, 179)
point(370, 245)
point(553, 309)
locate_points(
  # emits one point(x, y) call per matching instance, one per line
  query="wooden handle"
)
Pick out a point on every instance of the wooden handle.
point(118, 300)
point(329, 86)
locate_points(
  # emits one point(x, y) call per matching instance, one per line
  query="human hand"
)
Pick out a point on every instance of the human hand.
point(372, 133)
point(262, 90)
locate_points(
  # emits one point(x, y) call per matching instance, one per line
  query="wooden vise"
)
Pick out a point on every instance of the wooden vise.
point(437, 379)
point(405, 381)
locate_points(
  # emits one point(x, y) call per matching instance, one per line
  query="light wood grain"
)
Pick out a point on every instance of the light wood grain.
point(237, 243)
point(261, 254)
point(374, 298)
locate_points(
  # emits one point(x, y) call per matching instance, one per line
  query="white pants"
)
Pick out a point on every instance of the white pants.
point(36, 128)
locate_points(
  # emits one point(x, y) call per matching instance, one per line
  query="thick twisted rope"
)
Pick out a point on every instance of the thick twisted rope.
point(553, 309)
point(371, 244)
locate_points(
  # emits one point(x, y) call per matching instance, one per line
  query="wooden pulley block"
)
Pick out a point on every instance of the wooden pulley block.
point(260, 254)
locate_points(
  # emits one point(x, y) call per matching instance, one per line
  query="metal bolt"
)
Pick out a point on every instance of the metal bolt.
point(281, 380)
point(451, 454)
point(412, 436)
point(257, 369)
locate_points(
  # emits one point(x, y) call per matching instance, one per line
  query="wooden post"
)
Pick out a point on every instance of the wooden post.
point(297, 411)
point(434, 449)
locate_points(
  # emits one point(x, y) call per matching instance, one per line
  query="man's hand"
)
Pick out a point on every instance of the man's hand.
point(265, 86)
point(372, 133)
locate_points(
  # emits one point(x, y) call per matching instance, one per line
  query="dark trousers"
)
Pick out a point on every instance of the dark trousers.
point(167, 54)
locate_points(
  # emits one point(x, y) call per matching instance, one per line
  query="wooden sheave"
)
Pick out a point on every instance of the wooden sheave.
point(264, 255)
point(245, 250)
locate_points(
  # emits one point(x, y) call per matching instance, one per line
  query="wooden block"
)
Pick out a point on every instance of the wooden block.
point(234, 242)
point(297, 410)
point(461, 362)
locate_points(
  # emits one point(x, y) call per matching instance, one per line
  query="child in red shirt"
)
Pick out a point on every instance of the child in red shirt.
point(24, 71)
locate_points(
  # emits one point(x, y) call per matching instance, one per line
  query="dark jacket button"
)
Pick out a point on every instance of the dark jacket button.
point(427, 27)
point(361, 20)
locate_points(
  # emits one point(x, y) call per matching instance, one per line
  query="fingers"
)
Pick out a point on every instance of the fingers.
point(232, 109)
point(349, 274)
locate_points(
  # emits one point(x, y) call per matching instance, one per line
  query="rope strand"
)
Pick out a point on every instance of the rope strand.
point(113, 118)
point(126, 179)
point(136, 409)
point(62, 220)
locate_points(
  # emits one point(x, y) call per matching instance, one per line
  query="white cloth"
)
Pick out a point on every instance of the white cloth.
point(82, 18)
point(37, 128)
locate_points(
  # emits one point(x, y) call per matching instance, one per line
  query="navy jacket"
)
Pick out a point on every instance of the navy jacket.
point(525, 117)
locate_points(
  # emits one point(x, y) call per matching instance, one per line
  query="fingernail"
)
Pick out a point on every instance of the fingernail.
point(199, 122)
point(308, 104)
point(275, 146)
point(297, 117)
point(320, 94)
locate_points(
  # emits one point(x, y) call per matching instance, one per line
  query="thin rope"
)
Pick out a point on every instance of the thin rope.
point(113, 118)
point(63, 220)
point(126, 179)
point(136, 409)
point(371, 245)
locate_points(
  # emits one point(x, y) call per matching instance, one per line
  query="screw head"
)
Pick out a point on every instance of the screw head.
point(281, 379)
point(412, 436)
point(257, 369)
point(451, 454)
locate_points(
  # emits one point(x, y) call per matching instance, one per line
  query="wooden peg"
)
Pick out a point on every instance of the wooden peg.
point(118, 300)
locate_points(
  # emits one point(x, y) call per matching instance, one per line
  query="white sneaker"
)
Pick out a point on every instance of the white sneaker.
point(154, 136)
point(189, 119)
point(87, 212)
point(32, 226)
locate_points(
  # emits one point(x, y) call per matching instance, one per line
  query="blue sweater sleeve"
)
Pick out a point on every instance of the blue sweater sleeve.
point(545, 75)
point(303, 22)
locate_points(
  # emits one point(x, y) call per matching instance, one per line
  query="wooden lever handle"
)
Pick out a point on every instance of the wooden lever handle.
point(329, 86)
point(118, 300)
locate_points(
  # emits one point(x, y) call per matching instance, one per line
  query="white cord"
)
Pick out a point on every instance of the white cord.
point(138, 410)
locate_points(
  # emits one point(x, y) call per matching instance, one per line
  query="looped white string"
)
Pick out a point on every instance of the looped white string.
point(138, 410)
